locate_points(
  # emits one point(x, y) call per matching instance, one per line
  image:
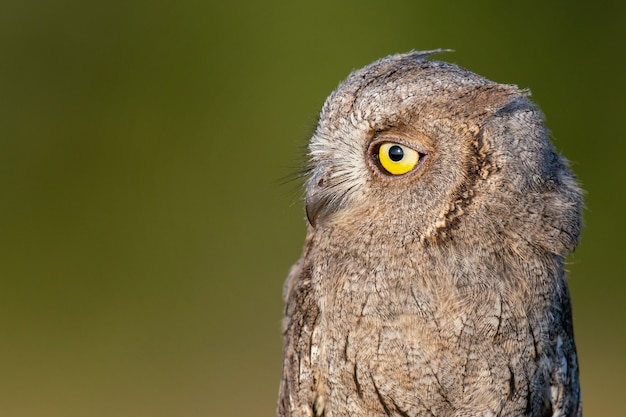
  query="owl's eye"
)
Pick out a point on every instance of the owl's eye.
point(397, 159)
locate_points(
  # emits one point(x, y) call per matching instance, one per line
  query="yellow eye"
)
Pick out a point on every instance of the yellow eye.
point(397, 159)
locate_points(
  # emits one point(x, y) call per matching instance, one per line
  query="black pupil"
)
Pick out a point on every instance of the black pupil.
point(396, 153)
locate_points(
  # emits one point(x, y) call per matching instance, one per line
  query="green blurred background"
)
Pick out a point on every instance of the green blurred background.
point(146, 227)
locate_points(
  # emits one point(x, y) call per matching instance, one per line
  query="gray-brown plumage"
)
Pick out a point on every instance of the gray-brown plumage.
point(432, 281)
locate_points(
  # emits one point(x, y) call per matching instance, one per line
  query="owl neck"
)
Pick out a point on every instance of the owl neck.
point(398, 277)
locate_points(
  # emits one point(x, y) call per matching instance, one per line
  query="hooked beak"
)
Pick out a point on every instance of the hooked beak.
point(317, 198)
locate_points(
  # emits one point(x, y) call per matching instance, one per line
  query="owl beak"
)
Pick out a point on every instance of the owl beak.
point(313, 209)
point(317, 198)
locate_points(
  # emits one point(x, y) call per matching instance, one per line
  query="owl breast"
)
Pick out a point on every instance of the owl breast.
point(405, 339)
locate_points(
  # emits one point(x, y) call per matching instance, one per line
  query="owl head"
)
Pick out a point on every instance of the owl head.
point(421, 151)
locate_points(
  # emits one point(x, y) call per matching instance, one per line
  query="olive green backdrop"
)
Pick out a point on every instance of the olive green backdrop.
point(146, 226)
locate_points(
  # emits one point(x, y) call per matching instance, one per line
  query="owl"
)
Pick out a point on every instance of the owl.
point(432, 279)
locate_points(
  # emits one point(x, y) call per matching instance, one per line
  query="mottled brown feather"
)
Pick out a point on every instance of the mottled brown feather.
point(441, 292)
